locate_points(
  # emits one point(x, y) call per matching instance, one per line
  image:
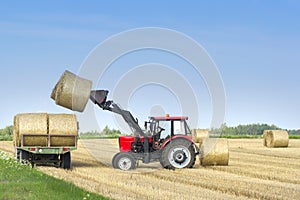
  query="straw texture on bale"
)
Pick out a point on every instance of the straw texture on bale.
point(53, 93)
point(72, 92)
point(275, 138)
point(16, 140)
point(62, 124)
point(31, 123)
point(44, 124)
point(199, 135)
point(214, 152)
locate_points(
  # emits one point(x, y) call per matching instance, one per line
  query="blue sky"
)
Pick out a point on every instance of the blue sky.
point(255, 45)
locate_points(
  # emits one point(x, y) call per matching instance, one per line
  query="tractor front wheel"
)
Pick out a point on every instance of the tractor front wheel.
point(124, 161)
point(178, 154)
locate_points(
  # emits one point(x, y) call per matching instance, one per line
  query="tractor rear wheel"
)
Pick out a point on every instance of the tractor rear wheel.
point(179, 153)
point(124, 161)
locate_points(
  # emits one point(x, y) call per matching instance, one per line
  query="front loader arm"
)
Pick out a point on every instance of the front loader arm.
point(99, 98)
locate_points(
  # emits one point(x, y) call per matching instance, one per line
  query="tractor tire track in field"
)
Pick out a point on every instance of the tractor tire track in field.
point(282, 174)
point(254, 172)
point(263, 159)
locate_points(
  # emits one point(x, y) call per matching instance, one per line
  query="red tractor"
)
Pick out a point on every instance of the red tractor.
point(165, 139)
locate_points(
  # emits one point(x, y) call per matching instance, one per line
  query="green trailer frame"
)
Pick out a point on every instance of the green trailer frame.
point(60, 156)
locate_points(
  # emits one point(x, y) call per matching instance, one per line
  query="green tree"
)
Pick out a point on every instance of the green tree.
point(7, 131)
point(108, 131)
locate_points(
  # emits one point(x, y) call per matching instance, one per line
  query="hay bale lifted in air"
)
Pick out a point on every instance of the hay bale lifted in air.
point(62, 124)
point(275, 138)
point(199, 135)
point(31, 123)
point(214, 151)
point(72, 92)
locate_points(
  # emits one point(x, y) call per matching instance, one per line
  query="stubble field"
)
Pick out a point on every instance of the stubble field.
point(254, 172)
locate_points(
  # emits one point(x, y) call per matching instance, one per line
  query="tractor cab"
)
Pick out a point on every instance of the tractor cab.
point(163, 129)
point(168, 126)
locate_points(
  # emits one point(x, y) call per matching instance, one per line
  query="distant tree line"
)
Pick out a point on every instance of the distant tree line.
point(106, 131)
point(250, 129)
point(6, 133)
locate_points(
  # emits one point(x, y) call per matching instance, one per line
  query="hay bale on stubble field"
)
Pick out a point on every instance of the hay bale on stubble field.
point(72, 91)
point(62, 124)
point(214, 151)
point(31, 123)
point(199, 135)
point(275, 138)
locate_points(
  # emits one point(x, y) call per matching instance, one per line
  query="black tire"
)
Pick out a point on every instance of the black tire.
point(24, 156)
point(18, 152)
point(192, 150)
point(124, 161)
point(179, 153)
point(65, 160)
point(114, 160)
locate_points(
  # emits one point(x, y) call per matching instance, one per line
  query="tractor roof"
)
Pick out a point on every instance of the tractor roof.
point(165, 118)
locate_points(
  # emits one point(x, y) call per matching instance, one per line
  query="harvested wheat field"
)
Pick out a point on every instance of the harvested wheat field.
point(254, 172)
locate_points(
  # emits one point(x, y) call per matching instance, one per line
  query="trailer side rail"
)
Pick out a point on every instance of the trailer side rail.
point(49, 136)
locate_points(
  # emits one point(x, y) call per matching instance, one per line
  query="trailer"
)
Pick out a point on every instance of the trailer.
point(50, 154)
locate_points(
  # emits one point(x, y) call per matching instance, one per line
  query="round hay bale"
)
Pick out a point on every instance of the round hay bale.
point(63, 124)
point(199, 135)
point(16, 140)
point(72, 92)
point(53, 93)
point(31, 123)
point(275, 138)
point(214, 152)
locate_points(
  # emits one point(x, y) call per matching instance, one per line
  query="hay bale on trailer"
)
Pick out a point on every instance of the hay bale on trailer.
point(62, 124)
point(16, 140)
point(275, 138)
point(72, 91)
point(199, 135)
point(31, 123)
point(214, 151)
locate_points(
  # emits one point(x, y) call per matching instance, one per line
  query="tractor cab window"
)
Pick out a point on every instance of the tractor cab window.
point(154, 126)
point(188, 131)
point(166, 126)
point(162, 127)
point(181, 128)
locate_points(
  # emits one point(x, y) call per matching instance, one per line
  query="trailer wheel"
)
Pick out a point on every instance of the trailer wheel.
point(23, 156)
point(178, 154)
point(65, 160)
point(17, 154)
point(124, 161)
